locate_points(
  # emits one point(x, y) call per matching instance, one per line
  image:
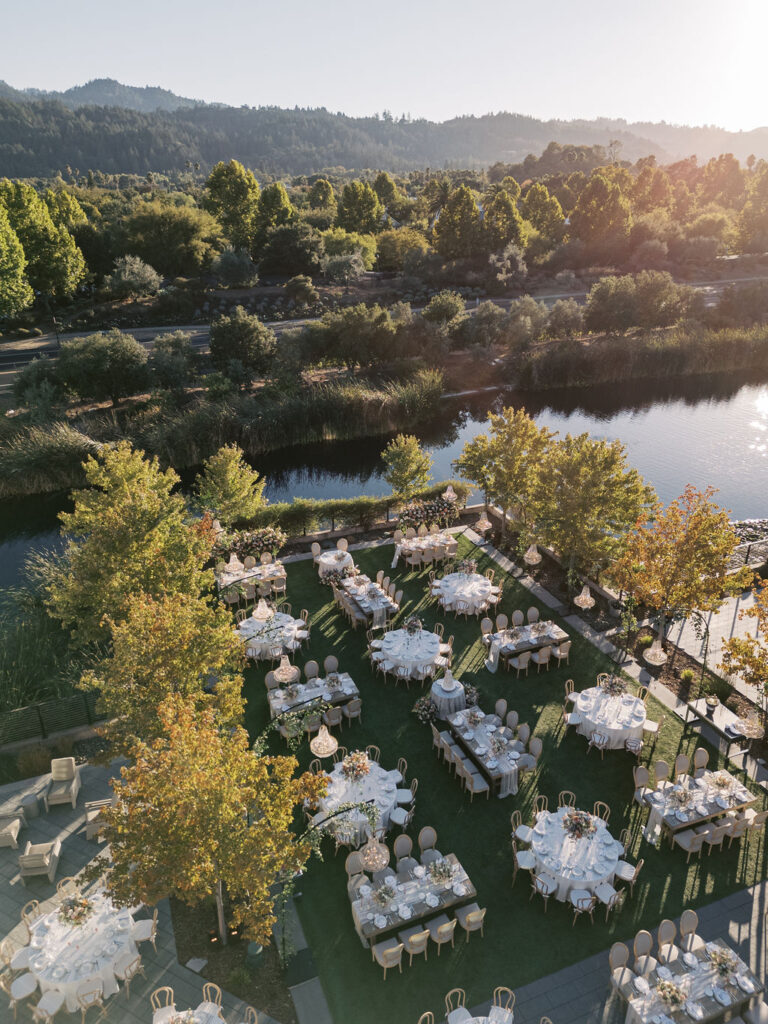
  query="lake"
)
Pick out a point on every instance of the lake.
point(703, 431)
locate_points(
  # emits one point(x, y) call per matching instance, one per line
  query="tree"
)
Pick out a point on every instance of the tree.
point(301, 291)
point(228, 488)
point(345, 268)
point(395, 245)
point(602, 215)
point(407, 465)
point(64, 209)
point(168, 645)
point(172, 361)
point(242, 338)
point(15, 291)
point(506, 462)
point(131, 277)
point(127, 534)
point(385, 189)
point(747, 655)
point(234, 268)
point(111, 365)
point(356, 335)
point(294, 248)
point(232, 196)
point(275, 210)
point(339, 242)
point(55, 265)
point(444, 309)
point(565, 319)
point(502, 223)
point(321, 195)
point(359, 209)
point(175, 240)
point(198, 814)
point(677, 559)
point(457, 231)
point(753, 219)
point(510, 266)
point(543, 211)
point(590, 500)
point(612, 305)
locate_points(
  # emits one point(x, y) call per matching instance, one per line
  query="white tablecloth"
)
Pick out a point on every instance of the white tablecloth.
point(428, 543)
point(703, 800)
point(574, 864)
point(448, 695)
point(69, 955)
point(260, 636)
point(460, 586)
point(618, 718)
point(237, 573)
point(333, 561)
point(501, 765)
point(379, 785)
point(370, 598)
point(412, 652)
point(532, 636)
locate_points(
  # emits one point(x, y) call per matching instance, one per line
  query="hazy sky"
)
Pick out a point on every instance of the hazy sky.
point(683, 61)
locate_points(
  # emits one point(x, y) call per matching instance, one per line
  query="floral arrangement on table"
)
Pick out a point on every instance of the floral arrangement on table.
point(335, 577)
point(579, 824)
point(614, 686)
point(249, 542)
point(356, 765)
point(425, 710)
point(670, 993)
point(187, 1017)
point(474, 717)
point(434, 510)
point(498, 744)
point(468, 566)
point(721, 782)
point(441, 870)
point(471, 695)
point(413, 626)
point(291, 691)
point(724, 963)
point(679, 798)
point(383, 895)
point(75, 910)
point(333, 681)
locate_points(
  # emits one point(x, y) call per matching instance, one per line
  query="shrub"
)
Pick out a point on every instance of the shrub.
point(686, 676)
point(34, 761)
point(645, 641)
point(111, 365)
point(130, 277)
point(234, 268)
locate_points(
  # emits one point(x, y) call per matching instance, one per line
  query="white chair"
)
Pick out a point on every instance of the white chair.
point(18, 990)
point(163, 1005)
point(211, 1001)
point(388, 954)
point(49, 1005)
point(146, 930)
point(690, 942)
point(644, 962)
point(64, 784)
point(668, 951)
point(126, 968)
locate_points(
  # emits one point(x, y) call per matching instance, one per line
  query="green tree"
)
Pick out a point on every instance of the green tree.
point(321, 195)
point(15, 291)
point(385, 189)
point(502, 223)
point(458, 230)
point(131, 277)
point(172, 644)
point(565, 319)
point(242, 338)
point(357, 335)
point(747, 655)
point(111, 365)
point(55, 265)
point(612, 305)
point(543, 211)
point(127, 534)
point(339, 242)
point(234, 268)
point(294, 248)
point(508, 266)
point(175, 240)
point(275, 210)
point(172, 361)
point(232, 196)
point(301, 291)
point(64, 209)
point(408, 466)
point(394, 246)
point(359, 209)
point(588, 502)
point(444, 309)
point(753, 219)
point(342, 269)
point(602, 215)
point(228, 488)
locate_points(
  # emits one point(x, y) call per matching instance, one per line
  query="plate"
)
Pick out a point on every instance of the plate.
point(405, 911)
point(458, 889)
point(431, 900)
point(58, 973)
point(492, 763)
point(721, 996)
point(689, 960)
point(514, 754)
point(419, 871)
point(694, 1010)
point(641, 986)
point(380, 921)
point(744, 983)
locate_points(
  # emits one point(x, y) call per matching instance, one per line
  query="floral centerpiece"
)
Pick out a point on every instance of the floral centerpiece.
point(614, 686)
point(467, 565)
point(679, 798)
point(384, 895)
point(75, 910)
point(333, 681)
point(721, 782)
point(187, 1017)
point(498, 744)
point(441, 871)
point(474, 717)
point(291, 691)
point(433, 510)
point(413, 626)
point(724, 963)
point(335, 577)
point(579, 824)
point(356, 765)
point(670, 993)
point(425, 710)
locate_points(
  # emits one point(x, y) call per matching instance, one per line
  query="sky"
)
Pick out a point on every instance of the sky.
point(681, 61)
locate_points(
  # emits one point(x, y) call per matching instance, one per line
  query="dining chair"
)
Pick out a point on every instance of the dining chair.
point(388, 954)
point(415, 942)
point(126, 968)
point(582, 902)
point(601, 810)
point(501, 622)
point(542, 657)
point(629, 874)
point(520, 662)
point(690, 942)
point(211, 1001)
point(90, 993)
point(642, 947)
point(442, 930)
point(522, 860)
point(471, 918)
point(353, 710)
point(512, 720)
point(667, 933)
point(545, 886)
point(163, 1005)
point(517, 617)
point(504, 999)
point(599, 741)
point(146, 930)
point(501, 708)
point(540, 804)
point(17, 989)
point(566, 798)
point(532, 615)
point(50, 1004)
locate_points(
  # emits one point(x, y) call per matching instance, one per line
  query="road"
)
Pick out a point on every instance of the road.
point(15, 355)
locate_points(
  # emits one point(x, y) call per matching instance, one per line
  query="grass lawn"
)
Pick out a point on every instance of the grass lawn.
point(521, 942)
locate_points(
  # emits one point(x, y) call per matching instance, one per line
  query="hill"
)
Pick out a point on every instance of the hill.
point(106, 92)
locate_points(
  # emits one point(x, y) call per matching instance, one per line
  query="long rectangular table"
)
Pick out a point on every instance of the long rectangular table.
point(703, 795)
point(697, 984)
point(339, 691)
point(501, 776)
point(414, 892)
point(369, 598)
point(724, 721)
point(508, 643)
point(238, 575)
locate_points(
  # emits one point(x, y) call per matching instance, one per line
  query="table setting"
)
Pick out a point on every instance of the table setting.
point(693, 801)
point(575, 848)
point(612, 711)
point(334, 561)
point(701, 986)
point(370, 598)
point(448, 695)
point(260, 635)
point(235, 572)
point(516, 639)
point(486, 741)
point(459, 586)
point(421, 544)
point(80, 940)
point(335, 688)
point(411, 648)
point(357, 780)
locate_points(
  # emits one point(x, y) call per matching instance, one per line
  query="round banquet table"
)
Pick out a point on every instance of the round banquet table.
point(259, 637)
point(448, 695)
point(68, 955)
point(402, 650)
point(378, 785)
point(573, 863)
point(619, 718)
point(460, 586)
point(333, 561)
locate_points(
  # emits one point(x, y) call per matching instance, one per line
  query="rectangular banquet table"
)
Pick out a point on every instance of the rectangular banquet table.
point(518, 639)
point(723, 721)
point(502, 778)
point(374, 602)
point(705, 805)
point(695, 984)
point(341, 691)
point(258, 574)
point(416, 889)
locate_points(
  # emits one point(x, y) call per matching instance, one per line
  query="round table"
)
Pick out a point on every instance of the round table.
point(448, 695)
point(460, 586)
point(68, 955)
point(378, 785)
point(260, 637)
point(619, 718)
point(411, 651)
point(573, 863)
point(333, 561)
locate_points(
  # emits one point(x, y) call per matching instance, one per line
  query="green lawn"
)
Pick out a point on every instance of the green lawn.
point(521, 942)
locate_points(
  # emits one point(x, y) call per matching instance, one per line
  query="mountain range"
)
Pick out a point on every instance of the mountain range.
point(117, 128)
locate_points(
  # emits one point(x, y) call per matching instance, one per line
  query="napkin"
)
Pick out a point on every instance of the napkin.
point(721, 996)
point(745, 983)
point(641, 986)
point(694, 1010)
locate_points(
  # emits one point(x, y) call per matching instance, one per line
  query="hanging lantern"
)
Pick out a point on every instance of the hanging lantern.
point(374, 855)
point(323, 744)
point(532, 555)
point(449, 494)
